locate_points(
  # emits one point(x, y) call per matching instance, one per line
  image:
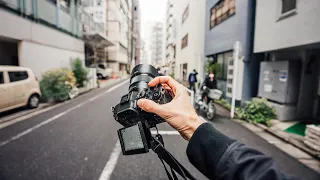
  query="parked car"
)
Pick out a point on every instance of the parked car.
point(103, 72)
point(18, 87)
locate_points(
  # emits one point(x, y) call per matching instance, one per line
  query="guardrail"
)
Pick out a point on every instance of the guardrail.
point(191, 94)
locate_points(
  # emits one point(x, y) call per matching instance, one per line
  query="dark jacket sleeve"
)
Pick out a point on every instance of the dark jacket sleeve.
point(205, 81)
point(219, 157)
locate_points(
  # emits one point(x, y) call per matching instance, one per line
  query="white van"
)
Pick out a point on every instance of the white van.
point(18, 87)
point(103, 72)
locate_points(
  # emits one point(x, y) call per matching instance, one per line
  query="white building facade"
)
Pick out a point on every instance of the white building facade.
point(185, 37)
point(289, 31)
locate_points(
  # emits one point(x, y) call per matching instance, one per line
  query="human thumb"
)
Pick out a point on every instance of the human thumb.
point(150, 106)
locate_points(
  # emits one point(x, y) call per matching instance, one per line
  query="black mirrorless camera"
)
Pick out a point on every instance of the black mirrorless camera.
point(135, 137)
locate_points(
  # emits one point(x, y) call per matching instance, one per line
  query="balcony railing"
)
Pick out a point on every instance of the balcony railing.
point(71, 19)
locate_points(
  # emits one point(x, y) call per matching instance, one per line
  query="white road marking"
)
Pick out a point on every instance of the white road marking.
point(111, 164)
point(166, 132)
point(41, 124)
point(23, 133)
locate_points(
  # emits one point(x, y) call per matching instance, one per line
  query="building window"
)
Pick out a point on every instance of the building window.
point(184, 42)
point(185, 14)
point(222, 11)
point(231, 62)
point(229, 90)
point(288, 5)
point(222, 61)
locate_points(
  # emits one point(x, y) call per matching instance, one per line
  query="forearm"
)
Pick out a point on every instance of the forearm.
point(219, 157)
point(206, 147)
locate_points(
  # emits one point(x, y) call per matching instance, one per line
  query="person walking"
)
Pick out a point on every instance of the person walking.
point(192, 80)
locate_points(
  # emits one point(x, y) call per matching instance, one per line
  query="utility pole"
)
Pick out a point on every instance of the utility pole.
point(236, 53)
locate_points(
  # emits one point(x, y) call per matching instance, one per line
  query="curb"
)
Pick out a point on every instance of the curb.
point(20, 116)
point(280, 134)
point(294, 142)
point(311, 162)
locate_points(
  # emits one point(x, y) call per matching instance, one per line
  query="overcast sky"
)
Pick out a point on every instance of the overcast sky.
point(151, 11)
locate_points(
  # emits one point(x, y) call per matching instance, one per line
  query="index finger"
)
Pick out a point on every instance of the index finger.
point(165, 80)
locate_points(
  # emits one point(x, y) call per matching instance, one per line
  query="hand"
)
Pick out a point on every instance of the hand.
point(179, 113)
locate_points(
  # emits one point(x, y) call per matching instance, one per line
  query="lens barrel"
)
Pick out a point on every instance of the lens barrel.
point(141, 75)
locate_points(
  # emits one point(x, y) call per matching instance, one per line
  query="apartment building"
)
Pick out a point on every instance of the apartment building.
point(229, 21)
point(136, 17)
point(43, 34)
point(119, 31)
point(145, 53)
point(287, 32)
point(185, 37)
point(171, 34)
point(95, 47)
point(157, 44)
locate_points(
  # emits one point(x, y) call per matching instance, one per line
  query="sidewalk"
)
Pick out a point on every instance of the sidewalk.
point(279, 138)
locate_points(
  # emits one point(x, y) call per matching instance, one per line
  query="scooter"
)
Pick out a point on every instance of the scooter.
point(207, 105)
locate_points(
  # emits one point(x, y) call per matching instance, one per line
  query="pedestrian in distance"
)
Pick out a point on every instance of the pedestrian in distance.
point(192, 80)
point(214, 154)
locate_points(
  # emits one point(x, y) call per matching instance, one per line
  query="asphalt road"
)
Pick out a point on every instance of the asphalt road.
point(76, 140)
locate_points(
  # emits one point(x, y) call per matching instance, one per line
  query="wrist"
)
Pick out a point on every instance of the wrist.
point(194, 123)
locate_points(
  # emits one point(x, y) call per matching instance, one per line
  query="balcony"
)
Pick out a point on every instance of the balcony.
point(71, 19)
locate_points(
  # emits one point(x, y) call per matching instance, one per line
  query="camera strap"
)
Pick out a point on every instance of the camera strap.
point(167, 157)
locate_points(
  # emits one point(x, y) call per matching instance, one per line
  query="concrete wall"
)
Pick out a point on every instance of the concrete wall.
point(299, 29)
point(222, 37)
point(40, 47)
point(41, 58)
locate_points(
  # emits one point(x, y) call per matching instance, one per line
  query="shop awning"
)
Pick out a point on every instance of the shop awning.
point(97, 39)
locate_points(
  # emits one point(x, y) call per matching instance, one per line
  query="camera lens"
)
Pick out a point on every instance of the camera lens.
point(141, 75)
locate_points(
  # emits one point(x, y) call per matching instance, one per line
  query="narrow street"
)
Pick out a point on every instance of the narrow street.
point(78, 140)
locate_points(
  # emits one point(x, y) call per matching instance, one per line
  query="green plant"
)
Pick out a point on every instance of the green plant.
point(80, 72)
point(172, 75)
point(210, 66)
point(56, 84)
point(257, 111)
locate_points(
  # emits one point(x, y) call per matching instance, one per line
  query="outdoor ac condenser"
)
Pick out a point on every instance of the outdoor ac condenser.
point(280, 84)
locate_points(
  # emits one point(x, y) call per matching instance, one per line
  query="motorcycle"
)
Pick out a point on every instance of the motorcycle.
point(207, 105)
